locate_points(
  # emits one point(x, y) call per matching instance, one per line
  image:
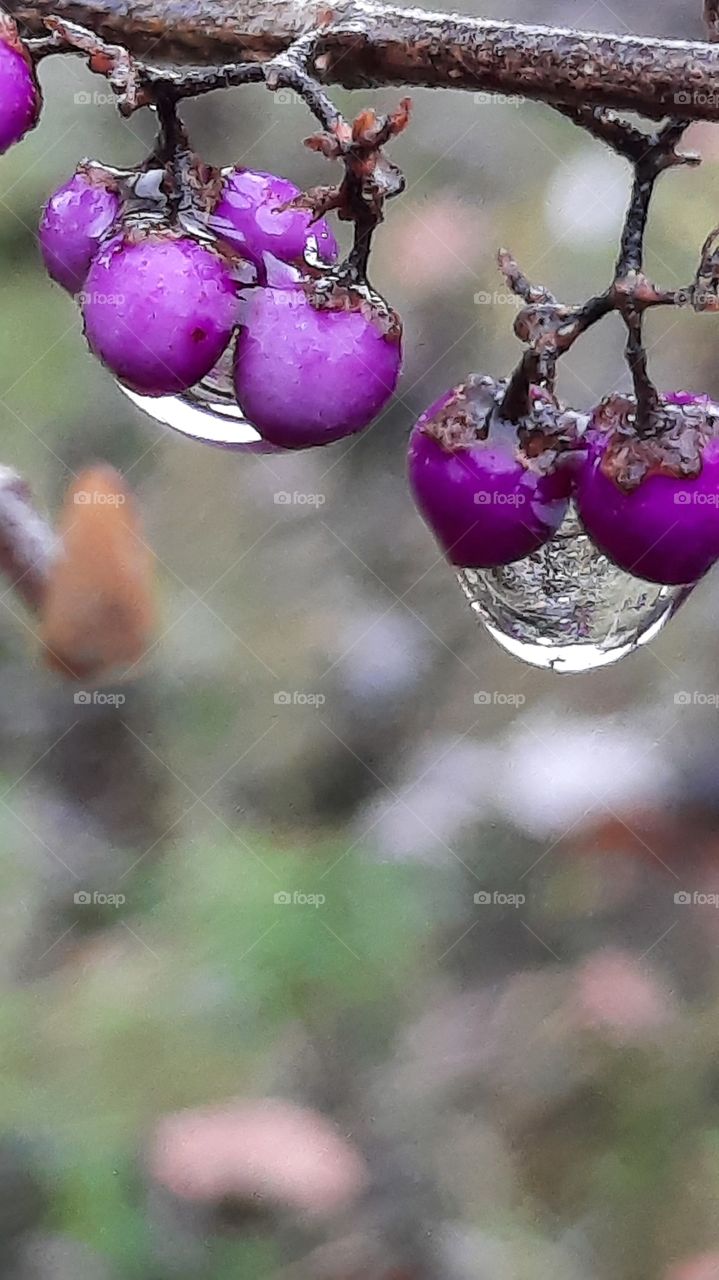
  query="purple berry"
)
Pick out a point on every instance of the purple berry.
point(75, 221)
point(20, 98)
point(487, 499)
point(159, 310)
point(250, 217)
point(635, 503)
point(311, 368)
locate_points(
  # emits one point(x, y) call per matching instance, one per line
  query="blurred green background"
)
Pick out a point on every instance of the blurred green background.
point(534, 1087)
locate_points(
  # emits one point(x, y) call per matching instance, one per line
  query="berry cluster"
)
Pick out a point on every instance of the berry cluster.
point(494, 491)
point(316, 353)
point(190, 277)
point(20, 98)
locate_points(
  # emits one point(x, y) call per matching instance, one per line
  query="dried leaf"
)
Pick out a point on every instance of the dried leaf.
point(98, 611)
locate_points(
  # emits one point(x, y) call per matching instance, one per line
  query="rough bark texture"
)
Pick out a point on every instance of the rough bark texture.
point(367, 43)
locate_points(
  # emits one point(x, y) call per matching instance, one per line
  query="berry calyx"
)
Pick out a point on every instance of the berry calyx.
point(20, 97)
point(252, 216)
point(316, 362)
point(159, 310)
point(492, 492)
point(652, 504)
point(75, 221)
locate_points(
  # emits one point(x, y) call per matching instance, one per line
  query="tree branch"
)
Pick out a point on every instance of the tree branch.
point(361, 43)
point(28, 545)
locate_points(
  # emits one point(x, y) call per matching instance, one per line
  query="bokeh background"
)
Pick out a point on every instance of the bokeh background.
point(514, 1090)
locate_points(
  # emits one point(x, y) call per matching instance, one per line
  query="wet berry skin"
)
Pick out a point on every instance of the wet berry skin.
point(666, 529)
point(20, 98)
point(250, 217)
point(486, 504)
point(307, 376)
point(159, 311)
point(75, 221)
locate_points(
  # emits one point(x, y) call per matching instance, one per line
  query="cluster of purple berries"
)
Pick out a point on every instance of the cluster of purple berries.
point(315, 357)
point(20, 98)
point(493, 492)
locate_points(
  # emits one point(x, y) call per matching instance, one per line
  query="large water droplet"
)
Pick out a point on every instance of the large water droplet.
point(207, 412)
point(567, 607)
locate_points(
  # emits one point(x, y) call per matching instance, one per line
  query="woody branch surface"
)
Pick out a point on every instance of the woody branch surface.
point(365, 43)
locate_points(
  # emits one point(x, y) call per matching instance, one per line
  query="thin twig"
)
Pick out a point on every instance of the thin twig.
point(551, 329)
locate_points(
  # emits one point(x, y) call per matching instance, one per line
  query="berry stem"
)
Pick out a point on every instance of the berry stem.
point(291, 70)
point(138, 83)
point(647, 396)
point(532, 370)
point(369, 178)
point(550, 329)
point(172, 135)
point(660, 154)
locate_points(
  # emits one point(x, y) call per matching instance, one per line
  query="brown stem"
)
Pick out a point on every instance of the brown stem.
point(647, 396)
point(290, 70)
point(364, 42)
point(551, 329)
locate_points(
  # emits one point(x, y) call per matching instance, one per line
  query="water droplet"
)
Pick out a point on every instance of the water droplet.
point(208, 412)
point(567, 607)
